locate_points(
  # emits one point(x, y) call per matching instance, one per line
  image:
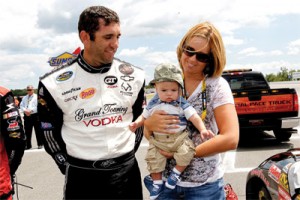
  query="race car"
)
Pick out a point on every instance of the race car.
point(278, 177)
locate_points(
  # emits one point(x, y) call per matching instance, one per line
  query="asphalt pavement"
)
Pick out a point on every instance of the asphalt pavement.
point(40, 172)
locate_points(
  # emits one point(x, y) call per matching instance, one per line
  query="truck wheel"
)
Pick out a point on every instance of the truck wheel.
point(282, 135)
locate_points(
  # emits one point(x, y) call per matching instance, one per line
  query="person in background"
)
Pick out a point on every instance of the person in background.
point(12, 142)
point(201, 55)
point(17, 102)
point(28, 106)
point(86, 106)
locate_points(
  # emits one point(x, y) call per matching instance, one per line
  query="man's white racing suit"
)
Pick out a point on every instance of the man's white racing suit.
point(85, 112)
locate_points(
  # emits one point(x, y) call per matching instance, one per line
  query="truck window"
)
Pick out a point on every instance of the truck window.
point(246, 81)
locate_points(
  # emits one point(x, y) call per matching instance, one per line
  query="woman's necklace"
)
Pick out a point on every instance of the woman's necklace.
point(193, 84)
point(190, 90)
point(203, 96)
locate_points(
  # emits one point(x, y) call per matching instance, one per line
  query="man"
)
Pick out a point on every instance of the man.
point(86, 106)
point(12, 142)
point(29, 107)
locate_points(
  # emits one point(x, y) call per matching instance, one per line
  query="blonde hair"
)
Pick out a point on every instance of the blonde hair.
point(209, 32)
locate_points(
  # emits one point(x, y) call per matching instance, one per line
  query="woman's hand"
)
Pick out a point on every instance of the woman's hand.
point(166, 154)
point(161, 122)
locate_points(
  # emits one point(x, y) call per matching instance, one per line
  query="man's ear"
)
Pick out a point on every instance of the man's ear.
point(84, 36)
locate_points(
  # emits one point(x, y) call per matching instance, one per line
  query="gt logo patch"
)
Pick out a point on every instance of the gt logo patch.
point(110, 80)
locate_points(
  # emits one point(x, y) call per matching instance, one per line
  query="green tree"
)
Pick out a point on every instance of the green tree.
point(19, 92)
point(271, 77)
point(283, 75)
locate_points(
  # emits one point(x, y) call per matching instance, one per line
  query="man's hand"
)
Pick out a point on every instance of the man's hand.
point(27, 112)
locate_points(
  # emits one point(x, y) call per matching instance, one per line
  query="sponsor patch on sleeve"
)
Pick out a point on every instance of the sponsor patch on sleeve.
point(10, 114)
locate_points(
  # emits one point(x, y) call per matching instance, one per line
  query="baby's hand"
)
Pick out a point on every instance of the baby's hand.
point(206, 135)
point(133, 126)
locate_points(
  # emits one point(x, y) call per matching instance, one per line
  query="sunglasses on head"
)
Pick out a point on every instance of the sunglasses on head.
point(201, 57)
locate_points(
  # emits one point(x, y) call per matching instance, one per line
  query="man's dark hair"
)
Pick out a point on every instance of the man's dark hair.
point(88, 20)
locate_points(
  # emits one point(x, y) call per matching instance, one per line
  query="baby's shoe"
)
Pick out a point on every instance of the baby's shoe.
point(172, 180)
point(156, 190)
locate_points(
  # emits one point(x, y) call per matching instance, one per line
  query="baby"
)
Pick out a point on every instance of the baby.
point(168, 83)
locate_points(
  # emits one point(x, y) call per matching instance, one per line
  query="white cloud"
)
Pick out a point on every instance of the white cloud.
point(61, 43)
point(35, 30)
point(253, 51)
point(134, 52)
point(276, 53)
point(230, 40)
point(17, 71)
point(249, 50)
point(294, 47)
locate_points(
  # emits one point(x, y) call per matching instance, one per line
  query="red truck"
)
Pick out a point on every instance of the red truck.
point(262, 108)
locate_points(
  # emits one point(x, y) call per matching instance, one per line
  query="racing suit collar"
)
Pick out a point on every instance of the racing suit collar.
point(85, 66)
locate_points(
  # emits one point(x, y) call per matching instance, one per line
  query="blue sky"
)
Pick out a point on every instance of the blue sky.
point(259, 34)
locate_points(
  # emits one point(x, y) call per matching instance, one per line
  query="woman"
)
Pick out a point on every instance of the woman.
point(201, 55)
